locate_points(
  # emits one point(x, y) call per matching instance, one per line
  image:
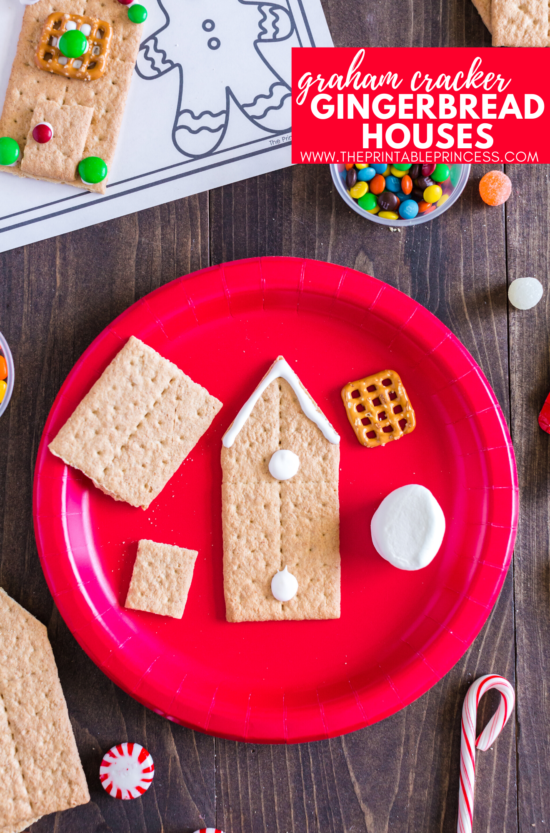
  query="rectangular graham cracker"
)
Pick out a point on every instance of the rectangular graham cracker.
point(268, 524)
point(61, 155)
point(29, 86)
point(161, 579)
point(136, 425)
point(519, 22)
point(484, 9)
point(40, 767)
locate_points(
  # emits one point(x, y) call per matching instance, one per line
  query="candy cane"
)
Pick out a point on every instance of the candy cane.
point(469, 743)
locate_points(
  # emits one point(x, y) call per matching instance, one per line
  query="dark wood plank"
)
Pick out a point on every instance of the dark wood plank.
point(528, 246)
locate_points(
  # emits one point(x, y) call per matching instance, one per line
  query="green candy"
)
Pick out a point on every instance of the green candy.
point(441, 173)
point(137, 13)
point(455, 174)
point(368, 202)
point(402, 167)
point(9, 151)
point(92, 170)
point(73, 44)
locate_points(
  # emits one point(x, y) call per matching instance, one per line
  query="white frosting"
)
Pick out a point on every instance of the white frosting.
point(284, 585)
point(70, 24)
point(77, 64)
point(284, 464)
point(525, 293)
point(86, 29)
point(63, 60)
point(408, 527)
point(282, 370)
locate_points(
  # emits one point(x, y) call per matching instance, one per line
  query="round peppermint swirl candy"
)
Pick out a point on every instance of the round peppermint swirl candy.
point(127, 771)
point(209, 830)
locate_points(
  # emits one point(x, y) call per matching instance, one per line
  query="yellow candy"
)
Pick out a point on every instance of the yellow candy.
point(3, 389)
point(389, 215)
point(443, 200)
point(432, 193)
point(374, 210)
point(359, 190)
point(360, 167)
point(387, 171)
point(396, 172)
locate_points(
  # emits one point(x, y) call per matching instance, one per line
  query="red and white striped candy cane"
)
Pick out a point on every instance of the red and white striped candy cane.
point(469, 743)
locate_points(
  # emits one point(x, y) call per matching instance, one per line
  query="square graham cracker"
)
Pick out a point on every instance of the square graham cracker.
point(28, 86)
point(61, 155)
point(161, 579)
point(520, 22)
point(268, 524)
point(40, 765)
point(136, 425)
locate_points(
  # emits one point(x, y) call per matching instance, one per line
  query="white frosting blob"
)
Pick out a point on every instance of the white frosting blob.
point(284, 585)
point(525, 293)
point(408, 527)
point(284, 464)
point(70, 25)
point(86, 29)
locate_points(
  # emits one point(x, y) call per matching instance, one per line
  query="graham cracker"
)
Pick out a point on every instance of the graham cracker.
point(136, 425)
point(29, 86)
point(161, 579)
point(40, 769)
point(520, 22)
point(268, 524)
point(61, 155)
point(484, 9)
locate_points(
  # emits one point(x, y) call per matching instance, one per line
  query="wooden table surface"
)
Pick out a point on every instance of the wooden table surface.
point(402, 774)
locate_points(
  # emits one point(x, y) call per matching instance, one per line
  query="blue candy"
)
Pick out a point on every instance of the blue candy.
point(379, 168)
point(403, 197)
point(408, 209)
point(393, 184)
point(366, 174)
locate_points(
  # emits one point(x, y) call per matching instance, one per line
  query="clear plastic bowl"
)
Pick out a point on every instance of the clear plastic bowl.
point(339, 174)
point(9, 361)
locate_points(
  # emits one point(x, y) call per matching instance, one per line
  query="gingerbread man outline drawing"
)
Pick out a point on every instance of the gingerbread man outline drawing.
point(233, 66)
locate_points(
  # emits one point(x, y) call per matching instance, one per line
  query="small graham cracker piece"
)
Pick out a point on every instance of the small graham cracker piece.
point(40, 767)
point(520, 22)
point(136, 425)
point(60, 156)
point(161, 579)
point(268, 524)
point(28, 85)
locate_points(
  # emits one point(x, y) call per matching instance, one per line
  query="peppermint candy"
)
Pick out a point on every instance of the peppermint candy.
point(209, 830)
point(127, 771)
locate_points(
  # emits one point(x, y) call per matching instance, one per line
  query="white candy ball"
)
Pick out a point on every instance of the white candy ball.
point(525, 293)
point(284, 464)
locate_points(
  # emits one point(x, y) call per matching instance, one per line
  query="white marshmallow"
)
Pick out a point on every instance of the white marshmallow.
point(408, 527)
point(525, 293)
point(284, 464)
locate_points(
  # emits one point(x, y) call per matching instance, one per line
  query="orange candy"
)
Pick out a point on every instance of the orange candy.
point(424, 207)
point(3, 368)
point(406, 184)
point(349, 166)
point(495, 188)
point(377, 184)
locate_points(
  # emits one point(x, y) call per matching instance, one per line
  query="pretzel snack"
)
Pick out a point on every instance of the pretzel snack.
point(91, 64)
point(378, 408)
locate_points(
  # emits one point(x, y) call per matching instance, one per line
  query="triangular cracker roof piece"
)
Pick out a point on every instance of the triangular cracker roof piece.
point(280, 369)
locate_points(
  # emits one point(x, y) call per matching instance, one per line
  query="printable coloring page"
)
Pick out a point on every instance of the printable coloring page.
point(210, 104)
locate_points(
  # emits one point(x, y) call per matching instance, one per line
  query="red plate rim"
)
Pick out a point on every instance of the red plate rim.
point(327, 289)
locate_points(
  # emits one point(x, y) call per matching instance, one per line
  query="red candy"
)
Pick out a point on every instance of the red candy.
point(495, 188)
point(42, 133)
point(544, 416)
point(428, 168)
point(126, 2)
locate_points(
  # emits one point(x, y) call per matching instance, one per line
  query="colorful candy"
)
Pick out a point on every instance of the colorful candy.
point(127, 771)
point(92, 170)
point(9, 151)
point(495, 188)
point(137, 13)
point(3, 377)
point(42, 133)
point(544, 416)
point(73, 43)
point(401, 191)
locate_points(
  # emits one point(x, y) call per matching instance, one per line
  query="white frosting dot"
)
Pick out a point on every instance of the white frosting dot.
point(525, 293)
point(284, 585)
point(70, 24)
point(86, 29)
point(284, 464)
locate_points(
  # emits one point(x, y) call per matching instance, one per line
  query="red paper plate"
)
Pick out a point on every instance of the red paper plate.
point(400, 632)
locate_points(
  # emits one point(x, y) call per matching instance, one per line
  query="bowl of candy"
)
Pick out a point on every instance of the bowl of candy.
point(400, 195)
point(6, 374)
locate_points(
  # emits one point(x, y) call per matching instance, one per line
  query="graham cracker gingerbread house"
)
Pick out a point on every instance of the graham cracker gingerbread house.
point(68, 88)
point(281, 518)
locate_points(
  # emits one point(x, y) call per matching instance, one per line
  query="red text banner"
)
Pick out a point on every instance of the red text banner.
point(410, 105)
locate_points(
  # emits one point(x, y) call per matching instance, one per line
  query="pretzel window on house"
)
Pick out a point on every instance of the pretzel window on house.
point(89, 66)
point(378, 408)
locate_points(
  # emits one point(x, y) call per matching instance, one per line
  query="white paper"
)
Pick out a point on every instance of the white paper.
point(209, 105)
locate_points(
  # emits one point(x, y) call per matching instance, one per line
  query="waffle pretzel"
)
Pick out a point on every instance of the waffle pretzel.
point(378, 408)
point(89, 66)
